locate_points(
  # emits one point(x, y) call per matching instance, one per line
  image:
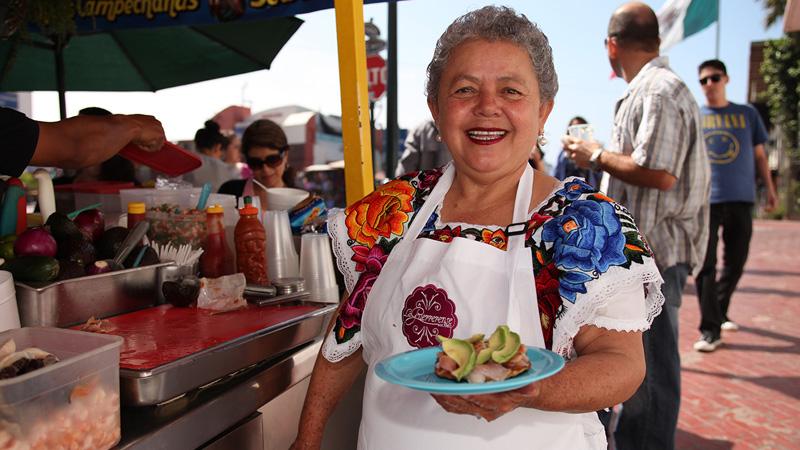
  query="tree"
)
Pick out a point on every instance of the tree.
point(781, 71)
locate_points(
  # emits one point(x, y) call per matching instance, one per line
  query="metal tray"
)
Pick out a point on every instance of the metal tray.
point(168, 381)
point(71, 302)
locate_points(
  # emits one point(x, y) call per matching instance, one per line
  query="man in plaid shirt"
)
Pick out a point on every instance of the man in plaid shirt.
point(655, 164)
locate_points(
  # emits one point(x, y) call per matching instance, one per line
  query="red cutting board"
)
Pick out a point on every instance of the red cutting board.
point(171, 159)
point(163, 334)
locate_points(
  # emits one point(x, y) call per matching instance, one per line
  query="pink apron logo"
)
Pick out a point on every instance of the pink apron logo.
point(428, 313)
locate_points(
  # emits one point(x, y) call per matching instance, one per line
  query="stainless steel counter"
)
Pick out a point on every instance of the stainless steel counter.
point(196, 418)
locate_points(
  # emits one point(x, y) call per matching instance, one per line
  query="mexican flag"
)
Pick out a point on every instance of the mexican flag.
point(679, 19)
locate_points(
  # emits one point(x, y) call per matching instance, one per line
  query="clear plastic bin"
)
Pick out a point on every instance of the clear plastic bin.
point(71, 404)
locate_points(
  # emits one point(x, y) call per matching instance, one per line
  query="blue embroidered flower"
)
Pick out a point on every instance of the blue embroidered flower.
point(573, 189)
point(586, 238)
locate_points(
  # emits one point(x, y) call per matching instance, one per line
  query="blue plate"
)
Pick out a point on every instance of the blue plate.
point(414, 369)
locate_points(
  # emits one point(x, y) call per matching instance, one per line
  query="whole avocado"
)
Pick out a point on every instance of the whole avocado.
point(69, 269)
point(110, 242)
point(61, 227)
point(33, 268)
point(78, 249)
point(149, 257)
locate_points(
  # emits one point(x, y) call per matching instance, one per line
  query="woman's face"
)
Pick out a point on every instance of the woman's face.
point(264, 173)
point(488, 110)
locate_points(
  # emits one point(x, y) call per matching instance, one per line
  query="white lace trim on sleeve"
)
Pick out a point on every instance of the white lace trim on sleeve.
point(334, 352)
point(599, 293)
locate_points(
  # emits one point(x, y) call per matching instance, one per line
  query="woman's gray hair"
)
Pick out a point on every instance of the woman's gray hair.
point(495, 23)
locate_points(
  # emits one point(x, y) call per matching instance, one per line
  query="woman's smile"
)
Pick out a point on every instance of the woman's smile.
point(486, 136)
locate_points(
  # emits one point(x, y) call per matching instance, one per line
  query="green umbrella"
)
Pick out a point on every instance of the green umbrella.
point(145, 59)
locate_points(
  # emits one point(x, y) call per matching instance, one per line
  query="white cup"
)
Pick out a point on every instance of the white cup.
point(284, 198)
point(282, 260)
point(581, 131)
point(316, 267)
point(9, 315)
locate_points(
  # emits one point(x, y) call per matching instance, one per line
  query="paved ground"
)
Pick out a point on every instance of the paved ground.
point(746, 395)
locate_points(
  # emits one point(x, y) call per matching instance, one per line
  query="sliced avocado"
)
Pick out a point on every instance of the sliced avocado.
point(498, 339)
point(463, 353)
point(508, 350)
point(484, 356)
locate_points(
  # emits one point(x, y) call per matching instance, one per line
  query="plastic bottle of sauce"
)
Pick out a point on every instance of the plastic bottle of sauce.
point(216, 259)
point(135, 214)
point(250, 240)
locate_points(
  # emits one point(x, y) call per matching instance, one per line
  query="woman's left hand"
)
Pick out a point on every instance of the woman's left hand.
point(489, 406)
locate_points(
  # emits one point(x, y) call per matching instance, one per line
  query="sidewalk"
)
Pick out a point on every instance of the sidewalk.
point(746, 394)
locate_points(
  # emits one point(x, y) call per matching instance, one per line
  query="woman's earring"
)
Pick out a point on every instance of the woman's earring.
point(437, 137)
point(541, 141)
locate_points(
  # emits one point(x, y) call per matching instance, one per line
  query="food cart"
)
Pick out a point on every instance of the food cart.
point(229, 365)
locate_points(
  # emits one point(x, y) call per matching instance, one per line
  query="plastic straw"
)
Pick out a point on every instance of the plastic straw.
point(204, 193)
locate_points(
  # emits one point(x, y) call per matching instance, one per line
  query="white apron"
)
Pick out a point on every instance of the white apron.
point(456, 289)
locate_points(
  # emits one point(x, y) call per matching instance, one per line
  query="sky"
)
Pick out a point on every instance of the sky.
point(305, 72)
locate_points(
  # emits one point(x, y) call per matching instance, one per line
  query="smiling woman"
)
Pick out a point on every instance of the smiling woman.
point(482, 242)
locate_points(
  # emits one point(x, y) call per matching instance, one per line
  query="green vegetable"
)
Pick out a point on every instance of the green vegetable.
point(462, 352)
point(33, 268)
point(7, 246)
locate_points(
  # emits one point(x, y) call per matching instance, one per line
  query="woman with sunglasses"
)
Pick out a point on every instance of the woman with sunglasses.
point(266, 152)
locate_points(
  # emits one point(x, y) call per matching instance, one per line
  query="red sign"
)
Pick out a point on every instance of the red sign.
point(376, 77)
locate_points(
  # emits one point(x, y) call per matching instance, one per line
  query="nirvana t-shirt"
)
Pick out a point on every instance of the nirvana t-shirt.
point(731, 133)
point(18, 137)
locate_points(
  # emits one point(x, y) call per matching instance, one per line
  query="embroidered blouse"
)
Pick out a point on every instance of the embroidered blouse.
point(588, 257)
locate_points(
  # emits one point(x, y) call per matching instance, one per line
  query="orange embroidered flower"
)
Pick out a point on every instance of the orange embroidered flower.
point(495, 239)
point(381, 213)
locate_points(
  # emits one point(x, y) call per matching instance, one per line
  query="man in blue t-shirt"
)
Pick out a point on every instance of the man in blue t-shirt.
point(735, 137)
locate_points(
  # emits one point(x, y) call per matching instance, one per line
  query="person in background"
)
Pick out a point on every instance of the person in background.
point(566, 168)
point(432, 253)
point(73, 143)
point(210, 143)
point(266, 152)
point(536, 158)
point(424, 150)
point(233, 154)
point(735, 137)
point(655, 164)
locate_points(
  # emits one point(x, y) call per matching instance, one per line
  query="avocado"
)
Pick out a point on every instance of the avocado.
point(61, 227)
point(32, 268)
point(110, 242)
point(149, 258)
point(462, 352)
point(70, 269)
point(508, 350)
point(496, 341)
point(7, 246)
point(78, 249)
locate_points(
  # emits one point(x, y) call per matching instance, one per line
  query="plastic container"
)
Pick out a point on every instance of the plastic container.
point(71, 404)
point(9, 315)
point(70, 197)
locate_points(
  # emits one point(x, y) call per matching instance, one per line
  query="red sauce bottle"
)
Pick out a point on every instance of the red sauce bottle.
point(135, 214)
point(250, 240)
point(216, 259)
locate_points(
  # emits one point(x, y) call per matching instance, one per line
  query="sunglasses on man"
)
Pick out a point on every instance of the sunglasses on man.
point(272, 161)
point(713, 78)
